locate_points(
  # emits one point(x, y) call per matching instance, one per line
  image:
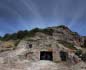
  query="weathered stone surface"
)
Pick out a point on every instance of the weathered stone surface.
point(26, 57)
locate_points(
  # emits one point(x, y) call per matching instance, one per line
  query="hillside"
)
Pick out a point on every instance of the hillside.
point(63, 33)
point(23, 50)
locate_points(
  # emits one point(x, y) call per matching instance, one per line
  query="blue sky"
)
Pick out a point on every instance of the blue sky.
point(27, 14)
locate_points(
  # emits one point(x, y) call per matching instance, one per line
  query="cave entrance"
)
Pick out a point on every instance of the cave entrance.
point(45, 55)
point(63, 55)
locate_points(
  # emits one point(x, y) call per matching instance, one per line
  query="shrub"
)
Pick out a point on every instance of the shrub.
point(47, 31)
point(67, 44)
point(22, 34)
point(78, 52)
point(83, 57)
point(84, 45)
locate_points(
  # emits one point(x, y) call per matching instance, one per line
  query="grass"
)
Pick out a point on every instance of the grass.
point(67, 44)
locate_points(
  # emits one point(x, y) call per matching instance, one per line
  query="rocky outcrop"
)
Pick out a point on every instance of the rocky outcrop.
point(54, 39)
point(62, 33)
point(65, 34)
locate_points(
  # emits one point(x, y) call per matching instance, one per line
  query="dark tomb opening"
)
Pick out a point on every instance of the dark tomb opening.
point(44, 55)
point(30, 45)
point(63, 55)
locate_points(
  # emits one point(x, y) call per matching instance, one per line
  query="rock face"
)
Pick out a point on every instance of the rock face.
point(47, 47)
point(43, 46)
point(64, 33)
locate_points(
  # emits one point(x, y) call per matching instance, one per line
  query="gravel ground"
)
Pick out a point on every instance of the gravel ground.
point(41, 65)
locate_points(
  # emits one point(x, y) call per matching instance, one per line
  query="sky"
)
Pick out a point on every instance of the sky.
point(18, 15)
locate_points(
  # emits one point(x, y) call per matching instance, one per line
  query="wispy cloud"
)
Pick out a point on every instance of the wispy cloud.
point(28, 14)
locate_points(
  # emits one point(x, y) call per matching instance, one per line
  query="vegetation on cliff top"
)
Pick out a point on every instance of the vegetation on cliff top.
point(21, 34)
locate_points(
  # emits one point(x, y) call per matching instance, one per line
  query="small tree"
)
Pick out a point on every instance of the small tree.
point(47, 31)
point(6, 37)
point(20, 35)
point(78, 52)
point(83, 57)
point(0, 38)
point(84, 44)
